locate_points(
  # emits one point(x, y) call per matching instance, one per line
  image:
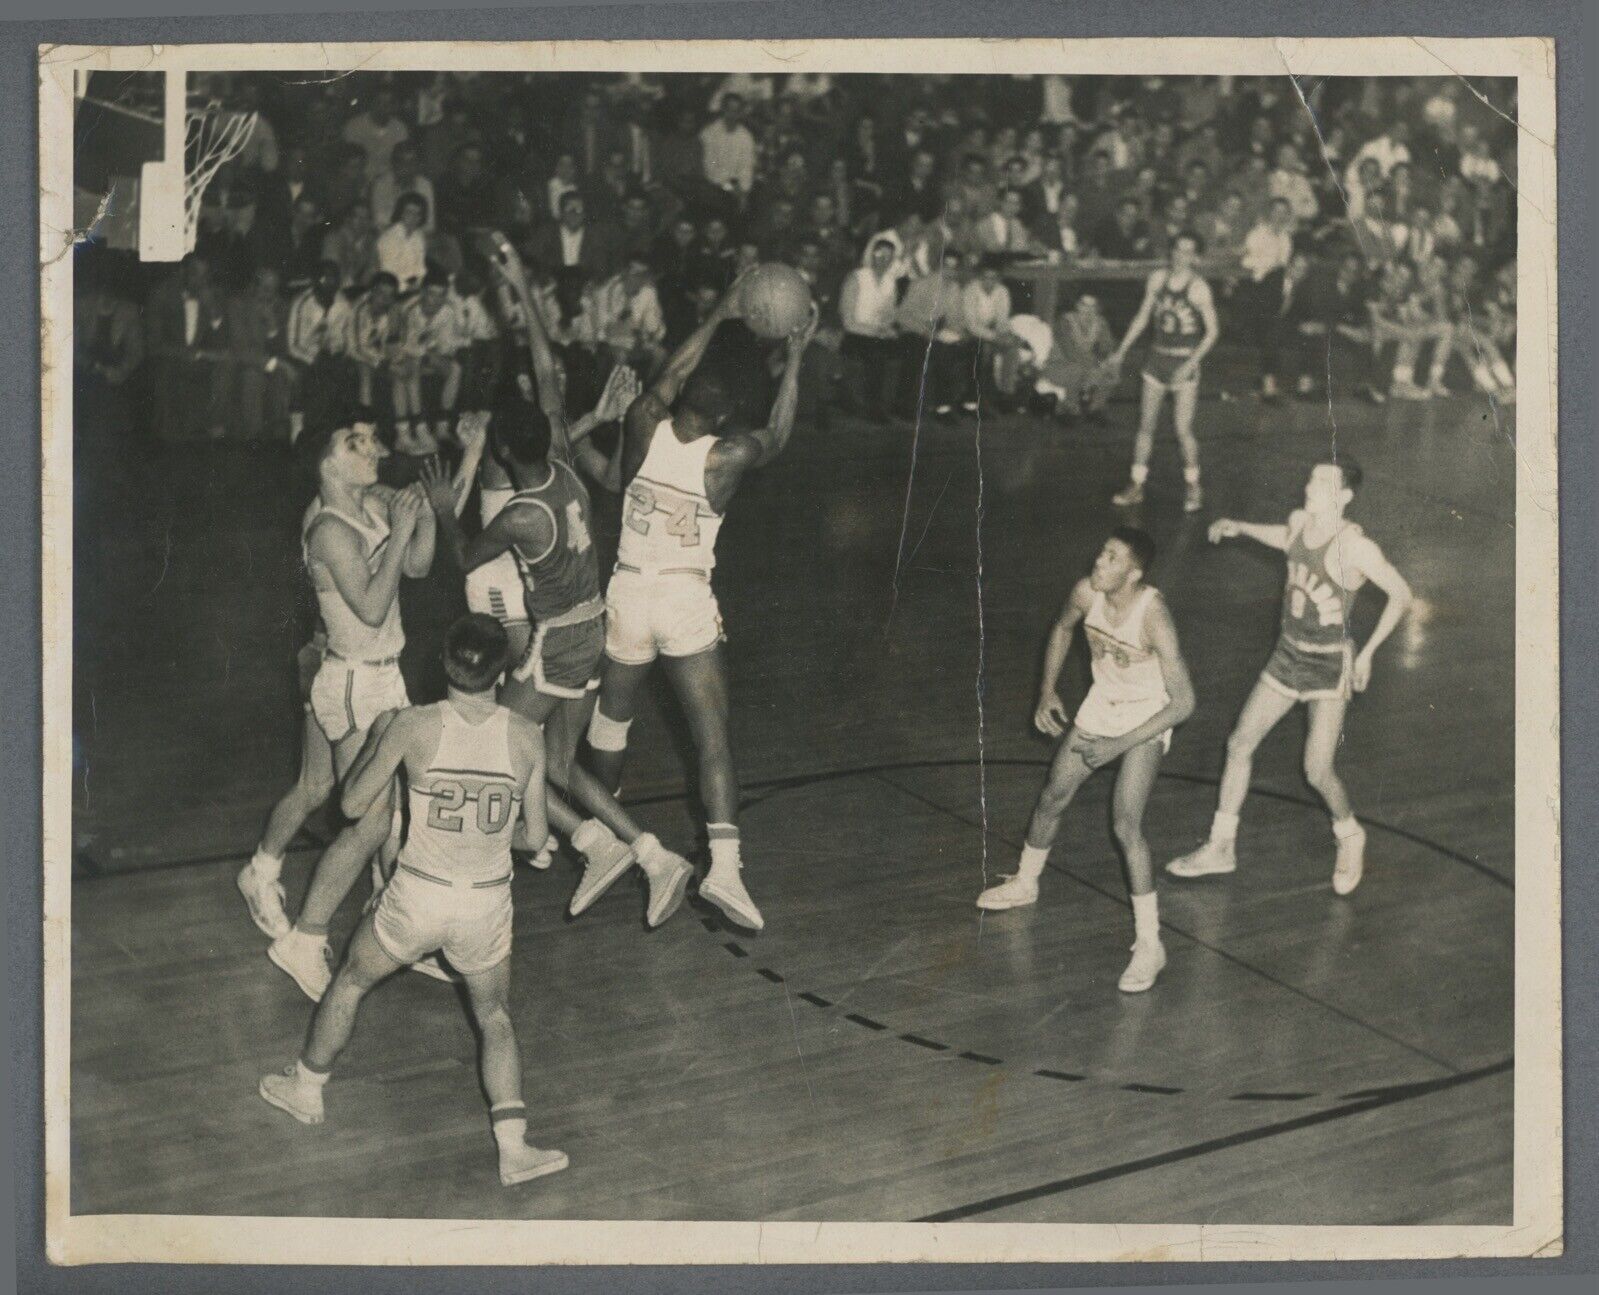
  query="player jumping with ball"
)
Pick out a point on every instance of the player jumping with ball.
point(1315, 662)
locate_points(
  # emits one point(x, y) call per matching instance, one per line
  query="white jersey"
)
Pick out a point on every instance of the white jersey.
point(1128, 684)
point(349, 637)
point(464, 808)
point(668, 524)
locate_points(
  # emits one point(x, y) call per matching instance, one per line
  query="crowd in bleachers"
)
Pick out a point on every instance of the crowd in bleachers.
point(337, 257)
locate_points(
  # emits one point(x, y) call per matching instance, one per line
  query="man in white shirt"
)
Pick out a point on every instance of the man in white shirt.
point(376, 132)
point(985, 311)
point(1290, 183)
point(317, 338)
point(729, 150)
point(1387, 150)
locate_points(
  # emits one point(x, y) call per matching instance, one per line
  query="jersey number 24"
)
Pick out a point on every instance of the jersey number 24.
point(682, 515)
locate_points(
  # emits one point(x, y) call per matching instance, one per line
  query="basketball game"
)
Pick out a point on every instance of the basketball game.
point(890, 647)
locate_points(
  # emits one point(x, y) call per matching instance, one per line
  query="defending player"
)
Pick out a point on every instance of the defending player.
point(473, 769)
point(545, 527)
point(1141, 691)
point(1179, 303)
point(1315, 662)
point(681, 466)
point(358, 540)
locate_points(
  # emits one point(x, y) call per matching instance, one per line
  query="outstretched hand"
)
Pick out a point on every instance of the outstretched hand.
point(437, 487)
point(621, 390)
point(800, 338)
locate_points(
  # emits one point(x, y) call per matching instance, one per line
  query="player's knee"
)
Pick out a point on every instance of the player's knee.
point(1241, 745)
point(1129, 832)
point(1319, 772)
point(315, 786)
point(607, 734)
point(494, 1018)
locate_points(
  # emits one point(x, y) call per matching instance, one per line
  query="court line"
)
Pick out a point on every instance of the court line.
point(1190, 936)
point(768, 786)
point(1060, 1186)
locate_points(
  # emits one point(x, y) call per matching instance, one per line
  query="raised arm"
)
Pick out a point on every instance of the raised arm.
point(527, 527)
point(1162, 634)
point(1374, 565)
point(1050, 717)
point(780, 426)
point(621, 390)
point(370, 594)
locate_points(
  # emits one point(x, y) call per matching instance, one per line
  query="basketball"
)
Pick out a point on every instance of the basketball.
point(776, 300)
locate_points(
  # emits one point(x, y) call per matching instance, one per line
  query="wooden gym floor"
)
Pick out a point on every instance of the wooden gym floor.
point(882, 1051)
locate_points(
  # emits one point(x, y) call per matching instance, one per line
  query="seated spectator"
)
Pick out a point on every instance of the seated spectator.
point(1290, 182)
point(1379, 238)
point(986, 310)
point(1335, 326)
point(867, 309)
point(403, 176)
point(1003, 232)
point(427, 370)
point(481, 351)
point(1125, 237)
point(317, 342)
point(1399, 316)
point(1170, 224)
point(561, 183)
point(1476, 163)
point(377, 334)
point(576, 243)
point(259, 376)
point(466, 195)
point(1420, 237)
point(1075, 369)
point(933, 337)
point(402, 250)
point(1068, 238)
point(186, 328)
point(1223, 230)
point(376, 131)
point(636, 235)
point(353, 247)
point(1267, 252)
point(1402, 195)
point(624, 313)
point(108, 351)
point(728, 150)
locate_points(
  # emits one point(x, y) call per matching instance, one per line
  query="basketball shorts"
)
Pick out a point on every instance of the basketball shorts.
point(1305, 675)
point(1161, 366)
point(1099, 716)
point(563, 660)
point(660, 614)
point(495, 589)
point(346, 696)
point(420, 913)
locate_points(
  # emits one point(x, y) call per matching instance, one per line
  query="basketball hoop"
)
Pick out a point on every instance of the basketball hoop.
point(171, 191)
point(214, 137)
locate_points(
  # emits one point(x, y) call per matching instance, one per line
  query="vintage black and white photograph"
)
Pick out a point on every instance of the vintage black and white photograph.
point(679, 643)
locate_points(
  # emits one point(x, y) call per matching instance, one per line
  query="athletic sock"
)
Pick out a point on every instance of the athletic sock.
point(310, 930)
point(724, 848)
point(1344, 828)
point(1140, 473)
point(305, 1074)
point(266, 866)
point(589, 834)
point(1224, 828)
point(651, 854)
point(1146, 918)
point(1031, 865)
point(510, 1124)
point(1191, 476)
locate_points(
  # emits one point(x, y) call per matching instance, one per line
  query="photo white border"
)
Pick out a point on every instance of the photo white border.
point(1536, 1228)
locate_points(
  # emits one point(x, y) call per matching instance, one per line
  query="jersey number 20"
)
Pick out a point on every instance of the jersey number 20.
point(493, 808)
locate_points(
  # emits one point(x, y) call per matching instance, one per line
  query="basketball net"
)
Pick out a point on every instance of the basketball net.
point(171, 191)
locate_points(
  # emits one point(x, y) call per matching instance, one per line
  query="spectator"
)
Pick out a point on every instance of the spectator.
point(1398, 316)
point(1076, 365)
point(1267, 252)
point(563, 182)
point(1420, 237)
point(985, 310)
point(427, 369)
point(259, 377)
point(108, 351)
point(1042, 199)
point(376, 132)
point(466, 199)
point(1365, 178)
point(728, 149)
point(1379, 238)
point(480, 353)
point(636, 237)
point(1290, 183)
point(403, 176)
point(575, 244)
point(376, 335)
point(680, 157)
point(1223, 231)
point(1098, 195)
point(1335, 324)
point(867, 310)
point(353, 247)
point(402, 250)
point(186, 324)
point(1388, 150)
point(933, 338)
point(1401, 192)
point(626, 315)
point(317, 343)
point(1003, 231)
point(1125, 237)
point(1476, 165)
